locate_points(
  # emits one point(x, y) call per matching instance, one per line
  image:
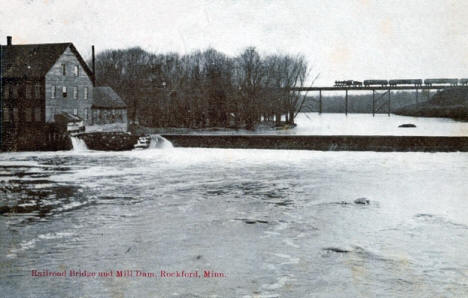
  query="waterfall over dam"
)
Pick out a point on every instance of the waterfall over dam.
point(160, 142)
point(78, 144)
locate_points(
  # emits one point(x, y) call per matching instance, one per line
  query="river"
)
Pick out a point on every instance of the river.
point(264, 223)
point(360, 124)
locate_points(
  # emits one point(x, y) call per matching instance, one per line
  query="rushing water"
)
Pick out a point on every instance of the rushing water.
point(276, 223)
point(78, 144)
point(159, 142)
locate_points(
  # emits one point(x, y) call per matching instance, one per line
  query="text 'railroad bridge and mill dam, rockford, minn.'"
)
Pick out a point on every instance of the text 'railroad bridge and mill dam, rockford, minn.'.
point(49, 93)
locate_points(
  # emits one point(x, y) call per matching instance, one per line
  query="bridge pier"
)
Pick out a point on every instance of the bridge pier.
point(389, 102)
point(346, 103)
point(373, 103)
point(378, 103)
point(320, 102)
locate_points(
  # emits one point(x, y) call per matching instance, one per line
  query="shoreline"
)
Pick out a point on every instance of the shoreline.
point(451, 103)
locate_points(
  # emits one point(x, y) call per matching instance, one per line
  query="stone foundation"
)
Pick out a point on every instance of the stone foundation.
point(34, 137)
point(109, 141)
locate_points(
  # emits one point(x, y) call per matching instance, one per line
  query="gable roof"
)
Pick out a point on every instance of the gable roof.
point(105, 97)
point(65, 117)
point(34, 60)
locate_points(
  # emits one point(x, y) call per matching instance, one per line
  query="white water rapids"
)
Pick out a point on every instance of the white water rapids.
point(160, 142)
point(156, 142)
point(79, 145)
point(276, 223)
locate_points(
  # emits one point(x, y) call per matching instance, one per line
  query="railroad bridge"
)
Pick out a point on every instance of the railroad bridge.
point(384, 98)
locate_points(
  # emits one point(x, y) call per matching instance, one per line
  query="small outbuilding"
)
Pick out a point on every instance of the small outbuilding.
point(108, 110)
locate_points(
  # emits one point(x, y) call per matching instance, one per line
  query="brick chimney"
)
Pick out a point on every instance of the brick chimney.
point(93, 65)
point(8, 38)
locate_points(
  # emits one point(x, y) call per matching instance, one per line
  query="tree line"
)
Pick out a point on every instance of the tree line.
point(205, 88)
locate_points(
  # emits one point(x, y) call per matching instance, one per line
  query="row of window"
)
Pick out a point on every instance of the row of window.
point(108, 116)
point(85, 116)
point(76, 70)
point(52, 111)
point(34, 114)
point(13, 91)
point(54, 92)
point(30, 114)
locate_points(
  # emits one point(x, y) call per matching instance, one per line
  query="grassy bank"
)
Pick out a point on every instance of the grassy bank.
point(452, 103)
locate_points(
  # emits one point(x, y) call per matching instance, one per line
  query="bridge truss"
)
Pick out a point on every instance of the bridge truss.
point(377, 103)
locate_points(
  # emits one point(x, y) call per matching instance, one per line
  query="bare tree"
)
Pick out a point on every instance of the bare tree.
point(205, 88)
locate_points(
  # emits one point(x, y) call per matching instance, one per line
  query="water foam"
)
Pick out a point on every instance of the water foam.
point(160, 142)
point(78, 144)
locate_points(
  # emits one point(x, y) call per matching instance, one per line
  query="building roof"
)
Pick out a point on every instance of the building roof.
point(105, 97)
point(34, 60)
point(65, 117)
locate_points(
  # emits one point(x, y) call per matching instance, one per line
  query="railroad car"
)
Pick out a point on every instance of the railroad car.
point(382, 83)
point(415, 82)
point(392, 83)
point(452, 82)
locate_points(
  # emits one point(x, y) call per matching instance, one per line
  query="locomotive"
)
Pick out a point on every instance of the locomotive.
point(415, 82)
point(348, 83)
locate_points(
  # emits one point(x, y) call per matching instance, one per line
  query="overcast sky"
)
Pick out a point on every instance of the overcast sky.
point(341, 39)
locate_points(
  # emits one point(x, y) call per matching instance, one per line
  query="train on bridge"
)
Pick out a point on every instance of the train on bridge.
point(392, 83)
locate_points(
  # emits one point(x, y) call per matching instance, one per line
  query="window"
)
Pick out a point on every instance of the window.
point(37, 91)
point(64, 69)
point(76, 70)
point(85, 94)
point(53, 92)
point(28, 114)
point(50, 113)
point(15, 91)
point(37, 114)
point(75, 112)
point(75, 92)
point(6, 114)
point(15, 115)
point(6, 91)
point(28, 91)
point(64, 91)
point(86, 114)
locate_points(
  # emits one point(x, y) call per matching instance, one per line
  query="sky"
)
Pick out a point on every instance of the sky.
point(341, 39)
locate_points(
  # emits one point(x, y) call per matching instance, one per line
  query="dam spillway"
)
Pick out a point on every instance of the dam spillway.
point(324, 142)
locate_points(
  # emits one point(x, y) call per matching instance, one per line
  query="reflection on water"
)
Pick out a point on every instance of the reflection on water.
point(276, 223)
point(363, 124)
point(366, 124)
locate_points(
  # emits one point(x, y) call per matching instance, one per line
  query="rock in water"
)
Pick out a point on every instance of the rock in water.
point(362, 201)
point(337, 250)
point(407, 125)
